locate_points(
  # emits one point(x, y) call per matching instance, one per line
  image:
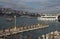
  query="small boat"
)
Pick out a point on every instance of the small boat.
point(9, 19)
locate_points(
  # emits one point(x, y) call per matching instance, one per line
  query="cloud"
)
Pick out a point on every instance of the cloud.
point(42, 6)
point(49, 6)
point(33, 0)
point(16, 4)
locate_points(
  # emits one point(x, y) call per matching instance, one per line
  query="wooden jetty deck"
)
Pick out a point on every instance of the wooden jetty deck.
point(21, 29)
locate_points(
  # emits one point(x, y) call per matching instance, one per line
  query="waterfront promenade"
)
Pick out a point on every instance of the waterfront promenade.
point(16, 30)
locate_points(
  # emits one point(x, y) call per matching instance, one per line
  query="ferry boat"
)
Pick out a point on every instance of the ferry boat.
point(48, 18)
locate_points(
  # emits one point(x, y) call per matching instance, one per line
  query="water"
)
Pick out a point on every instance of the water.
point(21, 21)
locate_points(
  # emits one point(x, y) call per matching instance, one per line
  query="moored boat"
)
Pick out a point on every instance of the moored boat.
point(48, 18)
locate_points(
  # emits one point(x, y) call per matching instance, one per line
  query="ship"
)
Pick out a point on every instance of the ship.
point(48, 18)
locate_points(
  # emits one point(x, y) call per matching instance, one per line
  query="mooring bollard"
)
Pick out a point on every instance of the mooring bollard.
point(47, 36)
point(34, 26)
point(21, 28)
point(39, 37)
point(51, 35)
point(28, 27)
point(43, 36)
point(25, 28)
point(38, 25)
point(56, 33)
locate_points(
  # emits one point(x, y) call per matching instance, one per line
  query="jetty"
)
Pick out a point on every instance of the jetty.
point(16, 30)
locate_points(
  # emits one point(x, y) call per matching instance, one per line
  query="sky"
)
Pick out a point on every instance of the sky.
point(41, 6)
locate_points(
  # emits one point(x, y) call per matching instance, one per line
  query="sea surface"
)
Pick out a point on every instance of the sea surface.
point(28, 21)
